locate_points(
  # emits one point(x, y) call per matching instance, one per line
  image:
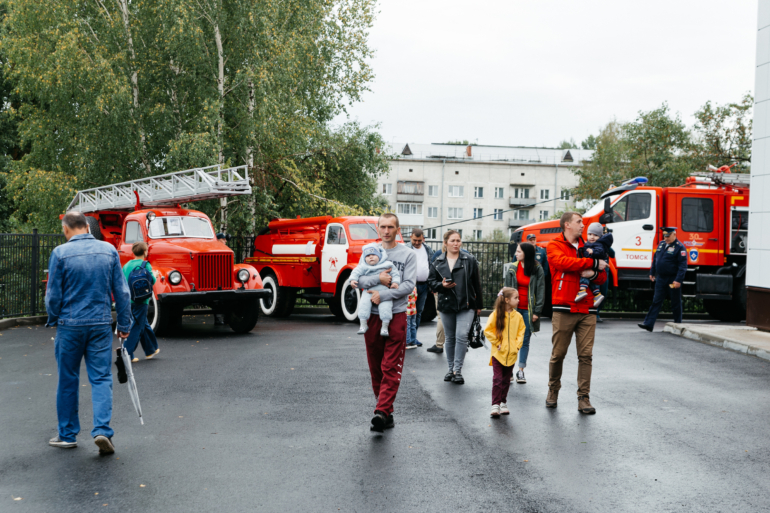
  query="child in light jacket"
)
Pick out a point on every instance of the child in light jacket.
point(505, 332)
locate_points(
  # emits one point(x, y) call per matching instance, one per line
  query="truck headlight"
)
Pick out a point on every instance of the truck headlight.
point(243, 275)
point(175, 277)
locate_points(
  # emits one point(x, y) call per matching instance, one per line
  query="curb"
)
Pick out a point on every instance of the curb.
point(22, 321)
point(728, 343)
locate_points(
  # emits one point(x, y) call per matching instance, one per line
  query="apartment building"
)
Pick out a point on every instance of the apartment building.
point(478, 189)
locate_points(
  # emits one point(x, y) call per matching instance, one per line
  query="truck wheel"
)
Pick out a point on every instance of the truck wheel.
point(162, 317)
point(349, 299)
point(243, 316)
point(729, 311)
point(93, 227)
point(429, 312)
point(281, 302)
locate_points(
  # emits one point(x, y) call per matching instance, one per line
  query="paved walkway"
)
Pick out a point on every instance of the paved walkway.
point(743, 339)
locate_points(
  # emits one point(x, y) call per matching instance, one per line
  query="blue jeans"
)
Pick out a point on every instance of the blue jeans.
point(141, 330)
point(72, 343)
point(411, 329)
point(422, 295)
point(524, 351)
point(456, 328)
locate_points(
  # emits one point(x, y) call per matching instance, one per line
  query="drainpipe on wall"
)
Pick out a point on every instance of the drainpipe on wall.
point(441, 193)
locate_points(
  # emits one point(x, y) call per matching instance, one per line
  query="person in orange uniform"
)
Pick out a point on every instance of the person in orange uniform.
point(505, 331)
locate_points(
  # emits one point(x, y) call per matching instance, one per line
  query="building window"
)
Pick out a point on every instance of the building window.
point(565, 194)
point(478, 212)
point(498, 214)
point(433, 212)
point(460, 232)
point(543, 215)
point(519, 192)
point(455, 213)
point(430, 234)
point(477, 234)
point(478, 192)
point(406, 231)
point(499, 192)
point(521, 214)
point(433, 190)
point(544, 194)
point(456, 191)
point(387, 189)
point(409, 208)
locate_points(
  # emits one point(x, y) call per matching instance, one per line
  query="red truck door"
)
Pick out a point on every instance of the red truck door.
point(133, 233)
point(334, 255)
point(699, 227)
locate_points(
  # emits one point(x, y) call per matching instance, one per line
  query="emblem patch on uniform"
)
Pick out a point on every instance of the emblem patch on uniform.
point(693, 255)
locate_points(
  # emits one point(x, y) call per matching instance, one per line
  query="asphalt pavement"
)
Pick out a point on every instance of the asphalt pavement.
point(278, 420)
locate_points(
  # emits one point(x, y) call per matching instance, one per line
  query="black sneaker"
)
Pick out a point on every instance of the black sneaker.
point(458, 379)
point(645, 327)
point(435, 349)
point(520, 377)
point(390, 422)
point(104, 444)
point(379, 421)
point(449, 376)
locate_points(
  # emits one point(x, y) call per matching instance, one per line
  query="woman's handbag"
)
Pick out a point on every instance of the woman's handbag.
point(476, 334)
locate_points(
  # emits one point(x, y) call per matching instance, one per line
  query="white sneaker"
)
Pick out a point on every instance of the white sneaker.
point(504, 409)
point(495, 411)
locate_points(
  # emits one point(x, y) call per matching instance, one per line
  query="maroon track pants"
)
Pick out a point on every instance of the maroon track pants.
point(386, 359)
point(501, 381)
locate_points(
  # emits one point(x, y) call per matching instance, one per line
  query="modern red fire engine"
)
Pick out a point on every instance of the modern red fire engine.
point(193, 267)
point(711, 212)
point(312, 258)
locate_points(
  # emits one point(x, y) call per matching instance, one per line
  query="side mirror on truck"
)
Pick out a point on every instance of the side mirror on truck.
point(607, 216)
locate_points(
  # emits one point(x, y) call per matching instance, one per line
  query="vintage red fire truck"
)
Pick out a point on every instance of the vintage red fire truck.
point(312, 258)
point(711, 212)
point(192, 266)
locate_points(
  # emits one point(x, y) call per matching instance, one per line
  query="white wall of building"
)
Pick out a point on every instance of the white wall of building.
point(496, 182)
point(758, 272)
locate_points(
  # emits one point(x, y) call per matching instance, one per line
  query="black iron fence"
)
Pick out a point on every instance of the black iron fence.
point(24, 260)
point(23, 266)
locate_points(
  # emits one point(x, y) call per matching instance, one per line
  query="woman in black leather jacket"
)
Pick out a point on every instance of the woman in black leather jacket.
point(455, 276)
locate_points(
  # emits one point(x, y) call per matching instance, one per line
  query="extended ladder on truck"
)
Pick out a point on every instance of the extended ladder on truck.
point(196, 184)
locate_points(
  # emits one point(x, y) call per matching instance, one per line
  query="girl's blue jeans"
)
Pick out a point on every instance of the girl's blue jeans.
point(411, 329)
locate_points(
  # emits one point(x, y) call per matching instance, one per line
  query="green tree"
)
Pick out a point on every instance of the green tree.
point(567, 145)
point(589, 143)
point(607, 166)
point(118, 90)
point(723, 134)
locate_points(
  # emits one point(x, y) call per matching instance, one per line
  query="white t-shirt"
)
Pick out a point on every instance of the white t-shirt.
point(422, 264)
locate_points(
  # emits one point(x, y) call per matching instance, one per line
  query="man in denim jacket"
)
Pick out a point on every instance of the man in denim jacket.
point(83, 276)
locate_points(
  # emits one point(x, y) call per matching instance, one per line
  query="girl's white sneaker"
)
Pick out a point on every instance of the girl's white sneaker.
point(495, 410)
point(504, 409)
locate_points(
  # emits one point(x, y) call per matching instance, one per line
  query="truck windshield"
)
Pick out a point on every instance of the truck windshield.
point(363, 231)
point(162, 227)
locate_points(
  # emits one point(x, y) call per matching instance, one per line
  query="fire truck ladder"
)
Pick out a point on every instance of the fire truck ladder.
point(180, 187)
point(742, 179)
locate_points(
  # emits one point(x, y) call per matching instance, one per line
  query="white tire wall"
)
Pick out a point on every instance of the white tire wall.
point(347, 293)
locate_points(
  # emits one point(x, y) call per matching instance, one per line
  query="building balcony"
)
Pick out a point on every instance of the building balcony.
point(411, 198)
point(522, 202)
point(518, 223)
point(411, 219)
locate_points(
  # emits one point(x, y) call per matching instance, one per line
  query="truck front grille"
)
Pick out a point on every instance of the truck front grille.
point(215, 271)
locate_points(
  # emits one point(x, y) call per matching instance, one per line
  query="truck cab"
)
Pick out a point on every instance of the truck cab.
point(710, 212)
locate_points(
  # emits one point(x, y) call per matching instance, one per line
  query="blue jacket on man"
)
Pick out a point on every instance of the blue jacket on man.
point(84, 275)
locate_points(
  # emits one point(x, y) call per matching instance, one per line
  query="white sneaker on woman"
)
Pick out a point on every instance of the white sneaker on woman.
point(495, 410)
point(504, 409)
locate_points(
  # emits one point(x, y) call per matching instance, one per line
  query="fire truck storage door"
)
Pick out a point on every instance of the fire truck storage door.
point(335, 253)
point(633, 229)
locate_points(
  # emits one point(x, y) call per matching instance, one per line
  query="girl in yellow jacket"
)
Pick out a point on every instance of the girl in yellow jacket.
point(505, 332)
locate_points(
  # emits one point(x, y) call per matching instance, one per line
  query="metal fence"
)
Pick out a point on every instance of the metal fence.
point(23, 262)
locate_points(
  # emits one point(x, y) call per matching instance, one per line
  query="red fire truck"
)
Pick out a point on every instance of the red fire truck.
point(711, 212)
point(312, 258)
point(192, 266)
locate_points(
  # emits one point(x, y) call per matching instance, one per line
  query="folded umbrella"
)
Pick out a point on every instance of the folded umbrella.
point(126, 360)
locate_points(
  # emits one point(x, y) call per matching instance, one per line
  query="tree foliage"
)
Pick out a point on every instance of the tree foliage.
point(567, 145)
point(116, 90)
point(659, 146)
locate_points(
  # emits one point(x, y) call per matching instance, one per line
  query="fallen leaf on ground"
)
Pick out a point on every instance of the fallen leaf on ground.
point(141, 486)
point(16, 498)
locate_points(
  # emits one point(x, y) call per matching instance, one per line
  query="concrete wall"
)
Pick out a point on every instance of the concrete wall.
point(469, 175)
point(758, 272)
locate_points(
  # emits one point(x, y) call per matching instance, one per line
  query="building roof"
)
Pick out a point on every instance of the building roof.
point(483, 153)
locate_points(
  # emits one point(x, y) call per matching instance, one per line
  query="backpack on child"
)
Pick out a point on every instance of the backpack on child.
point(140, 283)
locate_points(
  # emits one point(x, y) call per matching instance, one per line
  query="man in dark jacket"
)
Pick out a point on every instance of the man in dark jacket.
point(424, 255)
point(669, 265)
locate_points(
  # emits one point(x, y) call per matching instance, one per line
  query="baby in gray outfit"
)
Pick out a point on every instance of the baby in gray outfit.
point(374, 261)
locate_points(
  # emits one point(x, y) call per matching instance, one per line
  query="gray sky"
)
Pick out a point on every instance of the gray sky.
point(536, 72)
